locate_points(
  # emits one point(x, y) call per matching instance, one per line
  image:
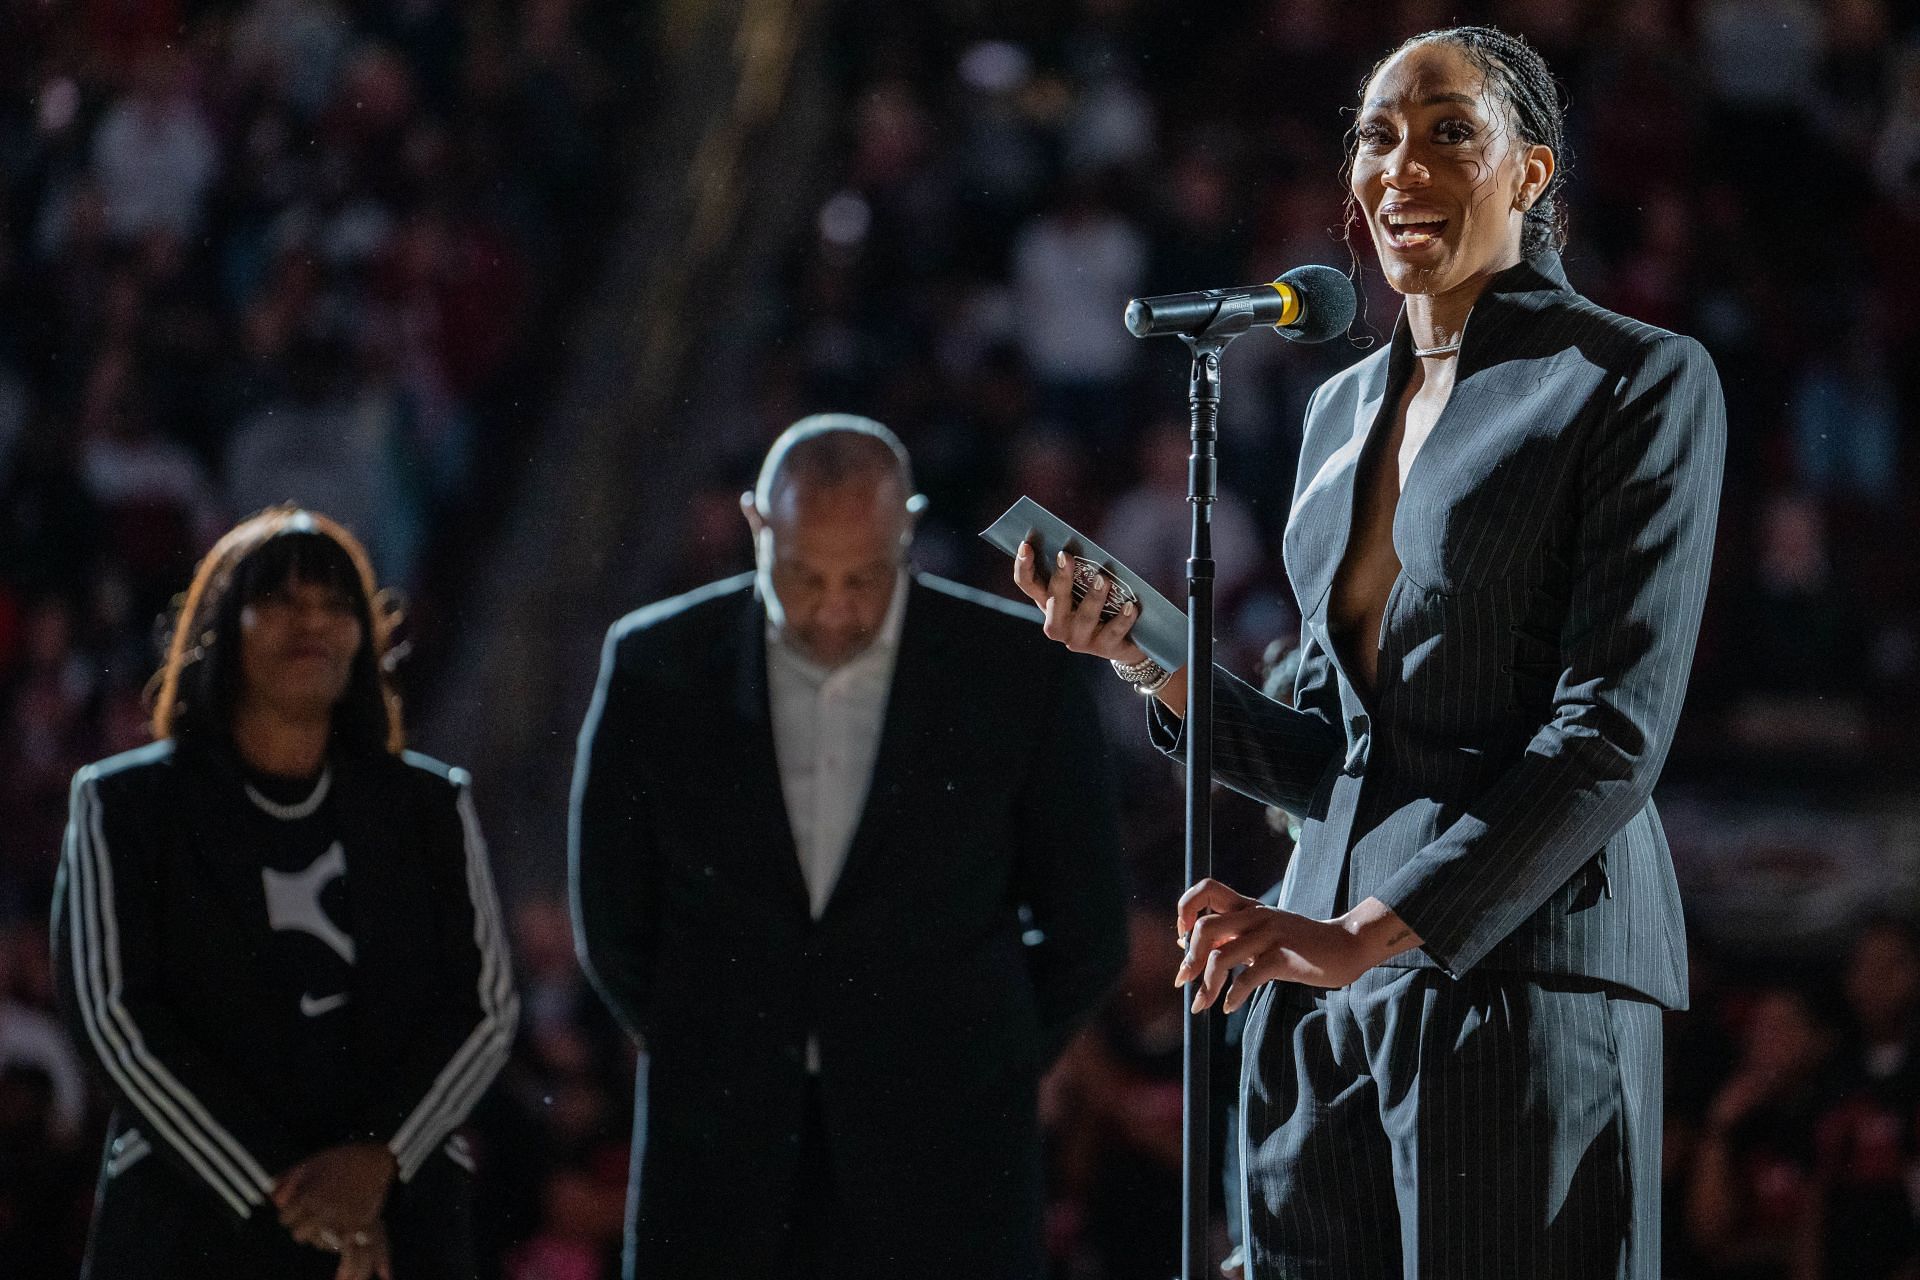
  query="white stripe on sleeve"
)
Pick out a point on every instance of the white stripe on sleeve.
point(168, 1106)
point(473, 1066)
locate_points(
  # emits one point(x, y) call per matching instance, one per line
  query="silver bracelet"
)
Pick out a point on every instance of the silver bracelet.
point(1146, 675)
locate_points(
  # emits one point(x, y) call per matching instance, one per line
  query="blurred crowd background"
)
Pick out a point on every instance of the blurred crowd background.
point(340, 252)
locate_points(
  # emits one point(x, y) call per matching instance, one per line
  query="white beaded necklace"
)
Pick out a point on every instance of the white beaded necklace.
point(301, 809)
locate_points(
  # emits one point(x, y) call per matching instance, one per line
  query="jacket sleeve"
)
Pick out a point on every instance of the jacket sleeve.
point(1068, 869)
point(455, 1056)
point(1649, 494)
point(106, 954)
point(1265, 749)
point(609, 848)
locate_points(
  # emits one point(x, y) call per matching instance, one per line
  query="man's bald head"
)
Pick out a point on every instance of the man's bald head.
point(828, 450)
point(832, 517)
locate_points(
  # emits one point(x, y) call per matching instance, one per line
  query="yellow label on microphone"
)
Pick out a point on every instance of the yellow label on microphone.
point(1290, 297)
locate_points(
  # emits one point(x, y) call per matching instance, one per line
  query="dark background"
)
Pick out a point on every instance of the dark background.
point(521, 290)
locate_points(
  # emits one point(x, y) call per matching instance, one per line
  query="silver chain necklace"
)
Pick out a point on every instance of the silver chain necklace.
point(293, 812)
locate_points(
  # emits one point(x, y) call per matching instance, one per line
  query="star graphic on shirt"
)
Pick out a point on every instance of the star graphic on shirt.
point(293, 900)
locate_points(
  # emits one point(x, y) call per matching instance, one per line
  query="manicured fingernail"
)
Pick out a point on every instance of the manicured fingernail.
point(1025, 552)
point(1060, 558)
point(1195, 1006)
point(1126, 610)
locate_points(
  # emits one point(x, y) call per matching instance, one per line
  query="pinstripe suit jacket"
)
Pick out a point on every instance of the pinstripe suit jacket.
point(1554, 535)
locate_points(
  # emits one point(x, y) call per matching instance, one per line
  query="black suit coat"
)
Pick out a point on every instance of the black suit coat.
point(1554, 534)
point(934, 1019)
point(163, 953)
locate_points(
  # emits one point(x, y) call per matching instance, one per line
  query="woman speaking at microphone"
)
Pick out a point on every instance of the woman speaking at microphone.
point(277, 933)
point(1499, 542)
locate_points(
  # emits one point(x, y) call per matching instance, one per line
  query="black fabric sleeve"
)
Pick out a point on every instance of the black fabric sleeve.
point(106, 954)
point(1650, 490)
point(1068, 866)
point(453, 1057)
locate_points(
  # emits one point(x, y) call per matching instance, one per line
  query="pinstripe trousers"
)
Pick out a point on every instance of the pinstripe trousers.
point(1498, 1125)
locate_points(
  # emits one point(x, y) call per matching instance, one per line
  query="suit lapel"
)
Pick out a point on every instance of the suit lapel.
point(756, 767)
point(1320, 525)
point(1321, 521)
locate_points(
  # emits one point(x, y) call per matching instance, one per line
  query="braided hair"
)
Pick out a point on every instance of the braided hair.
point(1517, 74)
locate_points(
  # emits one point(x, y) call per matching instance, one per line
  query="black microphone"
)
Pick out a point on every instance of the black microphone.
point(1308, 304)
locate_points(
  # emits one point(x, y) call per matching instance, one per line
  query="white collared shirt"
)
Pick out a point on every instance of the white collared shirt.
point(826, 736)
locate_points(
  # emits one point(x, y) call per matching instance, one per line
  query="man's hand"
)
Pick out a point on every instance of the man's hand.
point(1277, 945)
point(329, 1197)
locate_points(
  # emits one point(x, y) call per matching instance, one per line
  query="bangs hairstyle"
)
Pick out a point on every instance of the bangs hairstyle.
point(200, 683)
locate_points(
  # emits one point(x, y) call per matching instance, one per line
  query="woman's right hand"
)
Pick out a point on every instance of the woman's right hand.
point(1078, 626)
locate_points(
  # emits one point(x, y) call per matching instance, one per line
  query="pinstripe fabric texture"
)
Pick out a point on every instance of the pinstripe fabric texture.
point(1554, 535)
point(1487, 1105)
point(1423, 1126)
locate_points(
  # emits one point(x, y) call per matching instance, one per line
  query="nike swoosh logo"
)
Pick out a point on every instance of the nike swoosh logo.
point(314, 1006)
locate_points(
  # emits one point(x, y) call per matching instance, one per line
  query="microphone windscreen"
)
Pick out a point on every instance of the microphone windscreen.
point(1328, 301)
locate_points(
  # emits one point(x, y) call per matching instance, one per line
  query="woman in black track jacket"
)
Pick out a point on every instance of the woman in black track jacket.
point(277, 932)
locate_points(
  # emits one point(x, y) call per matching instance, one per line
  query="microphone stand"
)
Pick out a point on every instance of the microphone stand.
point(1207, 322)
point(1203, 394)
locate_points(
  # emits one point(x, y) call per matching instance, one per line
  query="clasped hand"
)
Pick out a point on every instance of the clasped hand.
point(1224, 930)
point(332, 1201)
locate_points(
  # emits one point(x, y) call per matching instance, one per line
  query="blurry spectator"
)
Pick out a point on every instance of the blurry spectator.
point(295, 46)
point(1149, 527)
point(1896, 152)
point(155, 497)
point(1116, 1098)
point(1000, 155)
point(1752, 1188)
point(1640, 110)
point(1856, 71)
point(327, 445)
point(37, 1171)
point(1762, 55)
point(47, 738)
point(1111, 125)
point(1846, 421)
point(1869, 1140)
point(49, 525)
point(32, 1040)
point(1074, 270)
point(1052, 469)
point(1800, 637)
point(1653, 279)
point(570, 1029)
point(154, 156)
